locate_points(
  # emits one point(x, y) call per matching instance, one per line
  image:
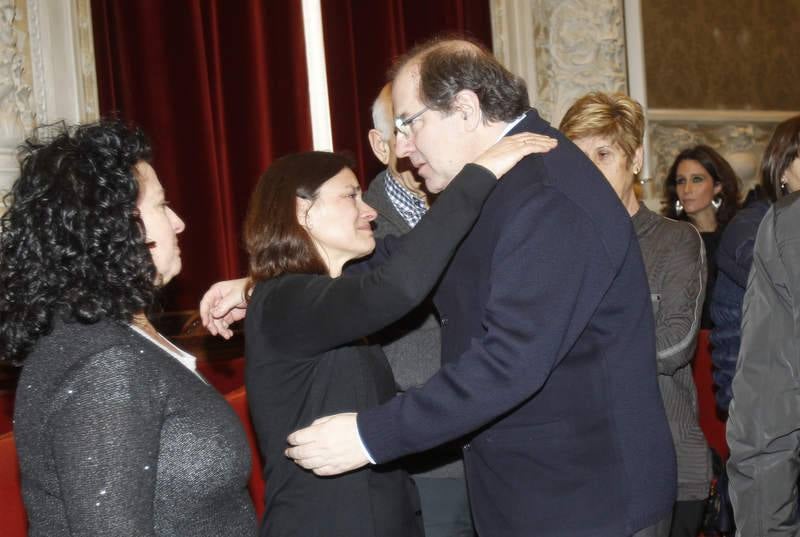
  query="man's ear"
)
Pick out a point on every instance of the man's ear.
point(380, 147)
point(468, 106)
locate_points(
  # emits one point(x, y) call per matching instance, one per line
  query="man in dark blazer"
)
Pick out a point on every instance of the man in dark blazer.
point(547, 329)
point(413, 344)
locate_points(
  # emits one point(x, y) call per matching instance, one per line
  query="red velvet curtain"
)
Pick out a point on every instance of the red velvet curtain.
point(362, 37)
point(220, 86)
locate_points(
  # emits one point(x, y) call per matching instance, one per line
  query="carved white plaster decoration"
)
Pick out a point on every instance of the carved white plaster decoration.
point(62, 51)
point(90, 104)
point(16, 113)
point(37, 60)
point(580, 47)
point(563, 48)
point(513, 40)
point(47, 71)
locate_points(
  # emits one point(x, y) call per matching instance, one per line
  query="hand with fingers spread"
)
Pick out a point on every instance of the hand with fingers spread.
point(509, 150)
point(222, 305)
point(329, 446)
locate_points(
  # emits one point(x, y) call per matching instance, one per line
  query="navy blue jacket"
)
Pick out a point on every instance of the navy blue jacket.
point(734, 259)
point(549, 358)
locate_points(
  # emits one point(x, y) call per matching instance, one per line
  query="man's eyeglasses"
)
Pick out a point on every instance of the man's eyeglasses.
point(403, 126)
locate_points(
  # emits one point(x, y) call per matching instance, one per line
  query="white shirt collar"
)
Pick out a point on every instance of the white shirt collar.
point(511, 126)
point(186, 359)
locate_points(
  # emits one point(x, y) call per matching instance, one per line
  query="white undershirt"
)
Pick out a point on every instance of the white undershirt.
point(511, 126)
point(186, 359)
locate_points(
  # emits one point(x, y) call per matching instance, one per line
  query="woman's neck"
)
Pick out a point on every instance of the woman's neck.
point(628, 199)
point(705, 220)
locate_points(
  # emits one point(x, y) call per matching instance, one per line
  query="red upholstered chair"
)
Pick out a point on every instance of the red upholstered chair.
point(13, 520)
point(712, 424)
point(238, 400)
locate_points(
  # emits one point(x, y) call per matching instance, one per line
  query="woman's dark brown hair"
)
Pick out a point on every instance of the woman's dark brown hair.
point(721, 173)
point(782, 149)
point(276, 243)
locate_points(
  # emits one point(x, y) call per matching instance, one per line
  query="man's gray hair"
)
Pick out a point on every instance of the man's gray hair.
point(382, 113)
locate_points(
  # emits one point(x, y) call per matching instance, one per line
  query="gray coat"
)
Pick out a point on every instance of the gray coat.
point(764, 416)
point(675, 262)
point(413, 345)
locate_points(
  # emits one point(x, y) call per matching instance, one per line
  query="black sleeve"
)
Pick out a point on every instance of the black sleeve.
point(309, 314)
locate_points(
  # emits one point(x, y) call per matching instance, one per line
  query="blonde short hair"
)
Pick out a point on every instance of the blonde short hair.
point(614, 116)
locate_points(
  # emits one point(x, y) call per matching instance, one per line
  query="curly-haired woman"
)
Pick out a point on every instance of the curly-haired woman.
point(116, 433)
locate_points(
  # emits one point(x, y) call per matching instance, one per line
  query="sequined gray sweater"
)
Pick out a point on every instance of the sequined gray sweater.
point(116, 437)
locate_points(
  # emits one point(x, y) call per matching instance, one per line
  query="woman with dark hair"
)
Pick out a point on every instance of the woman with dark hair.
point(116, 433)
point(609, 128)
point(305, 352)
point(780, 175)
point(702, 188)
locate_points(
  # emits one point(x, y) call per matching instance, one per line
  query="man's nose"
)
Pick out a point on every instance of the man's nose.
point(403, 145)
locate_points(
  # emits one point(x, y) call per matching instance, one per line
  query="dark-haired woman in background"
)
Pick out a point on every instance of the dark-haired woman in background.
point(780, 175)
point(305, 354)
point(701, 187)
point(116, 433)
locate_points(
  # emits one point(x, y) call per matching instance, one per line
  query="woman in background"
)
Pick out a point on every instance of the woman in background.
point(116, 433)
point(610, 130)
point(702, 188)
point(780, 175)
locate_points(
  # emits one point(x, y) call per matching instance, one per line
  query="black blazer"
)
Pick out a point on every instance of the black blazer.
point(549, 352)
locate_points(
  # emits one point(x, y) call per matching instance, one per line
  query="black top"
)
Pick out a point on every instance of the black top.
point(116, 437)
point(305, 359)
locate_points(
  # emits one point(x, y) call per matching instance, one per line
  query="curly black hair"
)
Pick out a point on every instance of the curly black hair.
point(72, 245)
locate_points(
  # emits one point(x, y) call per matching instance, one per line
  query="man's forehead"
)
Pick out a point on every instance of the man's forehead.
point(405, 91)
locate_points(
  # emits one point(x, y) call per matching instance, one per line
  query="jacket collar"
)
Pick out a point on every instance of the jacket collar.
point(644, 220)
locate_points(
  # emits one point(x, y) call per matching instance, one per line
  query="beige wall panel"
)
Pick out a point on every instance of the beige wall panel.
point(722, 54)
